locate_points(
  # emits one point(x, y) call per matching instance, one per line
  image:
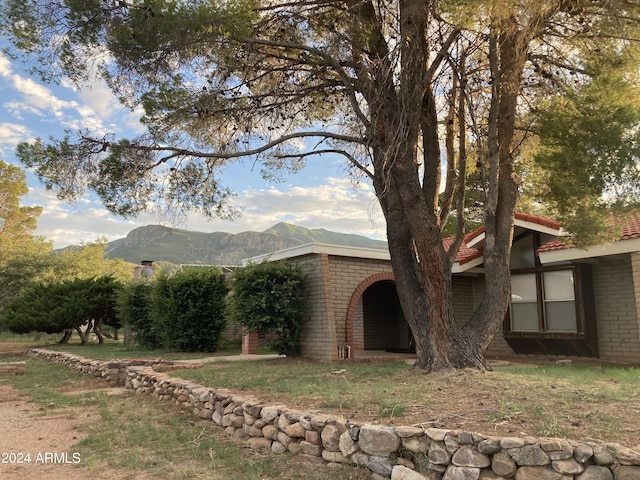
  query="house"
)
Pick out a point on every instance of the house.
point(565, 301)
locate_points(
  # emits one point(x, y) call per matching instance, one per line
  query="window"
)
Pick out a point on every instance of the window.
point(552, 309)
point(559, 301)
point(543, 301)
point(524, 303)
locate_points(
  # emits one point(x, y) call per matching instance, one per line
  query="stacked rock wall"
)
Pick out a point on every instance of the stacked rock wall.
point(12, 368)
point(399, 453)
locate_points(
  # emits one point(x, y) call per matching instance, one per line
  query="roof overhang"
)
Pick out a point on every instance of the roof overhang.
point(478, 240)
point(319, 248)
point(466, 266)
point(571, 254)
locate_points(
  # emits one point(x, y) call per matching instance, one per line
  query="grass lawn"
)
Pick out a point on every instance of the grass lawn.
point(539, 400)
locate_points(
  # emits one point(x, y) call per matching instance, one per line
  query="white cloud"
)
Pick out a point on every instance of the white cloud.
point(38, 98)
point(10, 135)
point(31, 109)
point(335, 206)
point(5, 66)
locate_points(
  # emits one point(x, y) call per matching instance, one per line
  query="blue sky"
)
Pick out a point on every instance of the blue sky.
point(319, 196)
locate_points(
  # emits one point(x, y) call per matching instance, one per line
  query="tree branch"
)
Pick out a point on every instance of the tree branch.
point(175, 151)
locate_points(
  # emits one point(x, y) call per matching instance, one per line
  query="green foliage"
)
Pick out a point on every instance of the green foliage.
point(17, 222)
point(43, 265)
point(134, 308)
point(56, 307)
point(268, 298)
point(224, 81)
point(589, 154)
point(18, 246)
point(187, 309)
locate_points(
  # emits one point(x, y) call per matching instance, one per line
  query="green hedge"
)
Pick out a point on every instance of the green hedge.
point(188, 309)
point(269, 298)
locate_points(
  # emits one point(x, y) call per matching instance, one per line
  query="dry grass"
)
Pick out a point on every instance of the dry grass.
point(571, 401)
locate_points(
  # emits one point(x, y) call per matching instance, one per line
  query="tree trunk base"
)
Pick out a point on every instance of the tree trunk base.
point(466, 356)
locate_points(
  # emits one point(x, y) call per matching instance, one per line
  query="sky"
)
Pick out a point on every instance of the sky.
point(319, 196)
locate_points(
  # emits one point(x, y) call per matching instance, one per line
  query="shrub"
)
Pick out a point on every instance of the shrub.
point(188, 308)
point(268, 298)
point(134, 309)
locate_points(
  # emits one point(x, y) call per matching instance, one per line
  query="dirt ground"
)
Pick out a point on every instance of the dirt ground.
point(38, 445)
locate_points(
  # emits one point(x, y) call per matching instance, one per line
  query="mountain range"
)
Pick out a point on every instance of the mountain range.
point(173, 245)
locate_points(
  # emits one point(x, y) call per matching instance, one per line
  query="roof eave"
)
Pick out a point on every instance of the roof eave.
point(466, 266)
point(571, 254)
point(478, 239)
point(311, 248)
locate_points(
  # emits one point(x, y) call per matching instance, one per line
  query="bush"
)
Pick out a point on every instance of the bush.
point(268, 298)
point(134, 309)
point(188, 309)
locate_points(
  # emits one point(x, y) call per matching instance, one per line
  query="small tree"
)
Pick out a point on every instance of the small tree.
point(268, 298)
point(188, 309)
point(63, 307)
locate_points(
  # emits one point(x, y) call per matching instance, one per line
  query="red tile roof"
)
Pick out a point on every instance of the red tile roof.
point(544, 221)
point(525, 217)
point(552, 245)
point(630, 230)
point(466, 254)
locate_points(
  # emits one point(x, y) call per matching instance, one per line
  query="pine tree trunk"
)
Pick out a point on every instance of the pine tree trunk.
point(66, 336)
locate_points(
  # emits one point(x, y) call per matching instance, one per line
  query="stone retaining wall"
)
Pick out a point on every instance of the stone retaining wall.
point(12, 368)
point(399, 453)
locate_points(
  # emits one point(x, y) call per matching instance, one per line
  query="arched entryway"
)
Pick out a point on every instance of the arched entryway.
point(374, 317)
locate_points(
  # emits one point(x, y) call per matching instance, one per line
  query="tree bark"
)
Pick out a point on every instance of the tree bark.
point(66, 336)
point(97, 330)
point(421, 266)
point(84, 335)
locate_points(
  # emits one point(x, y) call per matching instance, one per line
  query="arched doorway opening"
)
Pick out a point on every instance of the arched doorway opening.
point(375, 320)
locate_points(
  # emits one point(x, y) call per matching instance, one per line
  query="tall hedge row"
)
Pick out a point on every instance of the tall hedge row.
point(189, 310)
point(185, 311)
point(269, 298)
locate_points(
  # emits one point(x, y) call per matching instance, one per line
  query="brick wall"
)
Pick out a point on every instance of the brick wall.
point(347, 274)
point(616, 286)
point(318, 338)
point(335, 284)
point(330, 283)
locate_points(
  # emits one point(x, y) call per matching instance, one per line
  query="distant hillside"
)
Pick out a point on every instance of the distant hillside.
point(174, 245)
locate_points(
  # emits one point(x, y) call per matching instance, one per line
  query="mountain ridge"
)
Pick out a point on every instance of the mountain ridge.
point(167, 244)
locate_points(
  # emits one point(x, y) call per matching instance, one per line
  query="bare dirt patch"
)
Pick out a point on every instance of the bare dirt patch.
point(39, 443)
point(35, 445)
